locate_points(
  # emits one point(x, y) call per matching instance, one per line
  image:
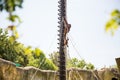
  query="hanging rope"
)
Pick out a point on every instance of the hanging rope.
point(51, 44)
point(73, 44)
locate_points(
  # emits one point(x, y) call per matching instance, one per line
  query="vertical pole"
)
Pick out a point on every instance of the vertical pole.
point(62, 47)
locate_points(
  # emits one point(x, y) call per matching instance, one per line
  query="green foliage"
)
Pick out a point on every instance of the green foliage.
point(113, 23)
point(74, 62)
point(80, 63)
point(4, 45)
point(54, 57)
point(10, 50)
point(38, 59)
point(48, 65)
point(16, 52)
point(33, 58)
point(115, 13)
point(10, 5)
point(14, 18)
point(89, 66)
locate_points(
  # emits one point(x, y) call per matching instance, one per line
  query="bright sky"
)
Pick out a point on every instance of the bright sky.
point(87, 17)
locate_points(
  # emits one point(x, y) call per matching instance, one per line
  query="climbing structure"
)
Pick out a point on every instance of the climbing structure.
point(64, 28)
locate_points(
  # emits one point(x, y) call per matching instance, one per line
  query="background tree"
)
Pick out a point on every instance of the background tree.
point(10, 7)
point(11, 47)
point(54, 58)
point(11, 50)
point(24, 56)
point(38, 59)
point(73, 62)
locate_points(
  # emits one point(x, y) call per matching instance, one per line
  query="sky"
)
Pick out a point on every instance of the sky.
point(88, 39)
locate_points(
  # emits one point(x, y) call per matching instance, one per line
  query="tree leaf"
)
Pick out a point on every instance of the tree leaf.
point(115, 13)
